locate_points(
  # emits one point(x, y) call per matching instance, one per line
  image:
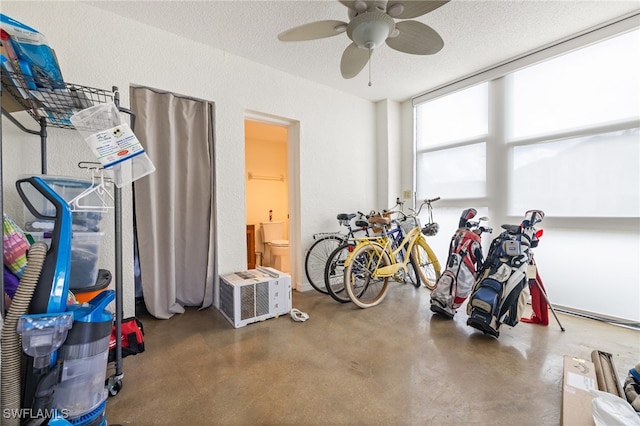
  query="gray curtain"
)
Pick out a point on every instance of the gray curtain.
point(174, 206)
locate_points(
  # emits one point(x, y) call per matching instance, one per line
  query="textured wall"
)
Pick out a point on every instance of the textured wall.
point(100, 49)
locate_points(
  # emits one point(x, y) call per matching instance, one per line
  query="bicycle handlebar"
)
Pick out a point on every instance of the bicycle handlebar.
point(389, 212)
point(427, 202)
point(401, 216)
point(398, 203)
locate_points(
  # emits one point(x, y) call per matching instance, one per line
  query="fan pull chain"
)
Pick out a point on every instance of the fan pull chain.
point(370, 67)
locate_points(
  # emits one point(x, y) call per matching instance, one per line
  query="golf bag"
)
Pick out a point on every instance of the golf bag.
point(497, 296)
point(464, 260)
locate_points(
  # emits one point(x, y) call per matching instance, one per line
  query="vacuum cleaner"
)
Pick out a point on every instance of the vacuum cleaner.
point(54, 355)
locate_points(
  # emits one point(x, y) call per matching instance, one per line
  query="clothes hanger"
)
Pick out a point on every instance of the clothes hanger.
point(83, 202)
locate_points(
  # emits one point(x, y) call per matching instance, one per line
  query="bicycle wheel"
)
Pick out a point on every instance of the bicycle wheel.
point(334, 273)
point(316, 259)
point(363, 288)
point(425, 263)
point(412, 275)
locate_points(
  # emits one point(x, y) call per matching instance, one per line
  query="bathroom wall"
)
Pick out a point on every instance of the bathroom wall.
point(266, 161)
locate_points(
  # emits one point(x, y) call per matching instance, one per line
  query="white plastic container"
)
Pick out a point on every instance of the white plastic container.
point(68, 188)
point(81, 388)
point(85, 253)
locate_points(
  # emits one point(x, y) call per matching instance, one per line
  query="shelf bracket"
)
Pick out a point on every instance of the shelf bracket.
point(19, 124)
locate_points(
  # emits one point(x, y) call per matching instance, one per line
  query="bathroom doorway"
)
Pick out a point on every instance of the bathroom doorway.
point(271, 182)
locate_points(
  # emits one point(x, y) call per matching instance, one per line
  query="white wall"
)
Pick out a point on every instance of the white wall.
point(390, 161)
point(100, 49)
point(407, 172)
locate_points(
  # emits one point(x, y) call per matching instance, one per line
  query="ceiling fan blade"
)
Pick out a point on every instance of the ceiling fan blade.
point(353, 60)
point(412, 9)
point(313, 31)
point(416, 38)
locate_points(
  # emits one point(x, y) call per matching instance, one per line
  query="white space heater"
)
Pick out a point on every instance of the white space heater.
point(254, 295)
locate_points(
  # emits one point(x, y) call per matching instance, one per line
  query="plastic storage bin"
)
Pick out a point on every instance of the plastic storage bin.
point(85, 253)
point(68, 188)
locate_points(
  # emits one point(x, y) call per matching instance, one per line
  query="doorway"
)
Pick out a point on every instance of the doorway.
point(271, 182)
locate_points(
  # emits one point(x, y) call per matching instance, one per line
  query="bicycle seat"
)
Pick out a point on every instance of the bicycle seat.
point(380, 220)
point(362, 223)
point(345, 216)
point(512, 229)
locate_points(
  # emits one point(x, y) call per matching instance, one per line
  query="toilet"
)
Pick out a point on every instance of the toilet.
point(272, 235)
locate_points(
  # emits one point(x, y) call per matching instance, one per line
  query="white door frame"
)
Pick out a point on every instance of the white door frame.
point(293, 189)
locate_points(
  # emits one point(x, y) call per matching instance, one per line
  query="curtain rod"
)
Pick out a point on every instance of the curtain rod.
point(264, 177)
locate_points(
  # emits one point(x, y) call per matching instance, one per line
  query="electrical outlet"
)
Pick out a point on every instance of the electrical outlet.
point(406, 195)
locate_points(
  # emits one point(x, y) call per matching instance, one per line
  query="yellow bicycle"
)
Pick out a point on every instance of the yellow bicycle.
point(374, 260)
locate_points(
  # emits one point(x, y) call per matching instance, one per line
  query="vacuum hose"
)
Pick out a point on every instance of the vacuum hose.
point(11, 346)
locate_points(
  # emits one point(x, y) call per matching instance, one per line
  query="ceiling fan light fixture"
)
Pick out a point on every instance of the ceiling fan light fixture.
point(371, 23)
point(370, 29)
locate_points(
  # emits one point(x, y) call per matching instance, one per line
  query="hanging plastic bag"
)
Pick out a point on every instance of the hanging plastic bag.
point(113, 142)
point(15, 246)
point(611, 410)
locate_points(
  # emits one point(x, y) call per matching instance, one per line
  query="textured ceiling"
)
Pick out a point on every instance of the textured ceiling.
point(477, 34)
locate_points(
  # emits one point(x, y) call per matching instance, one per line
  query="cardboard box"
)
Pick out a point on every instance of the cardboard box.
point(9, 104)
point(578, 378)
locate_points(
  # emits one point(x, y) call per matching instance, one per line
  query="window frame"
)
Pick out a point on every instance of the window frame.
point(500, 148)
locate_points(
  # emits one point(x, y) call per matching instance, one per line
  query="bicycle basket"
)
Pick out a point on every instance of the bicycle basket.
point(430, 229)
point(408, 224)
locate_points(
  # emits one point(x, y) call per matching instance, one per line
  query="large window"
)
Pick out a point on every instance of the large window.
point(451, 137)
point(564, 136)
point(586, 88)
point(595, 175)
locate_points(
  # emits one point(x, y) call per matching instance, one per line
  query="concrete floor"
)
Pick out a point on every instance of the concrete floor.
point(394, 364)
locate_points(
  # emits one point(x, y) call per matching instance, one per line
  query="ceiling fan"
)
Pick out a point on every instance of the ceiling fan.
point(372, 22)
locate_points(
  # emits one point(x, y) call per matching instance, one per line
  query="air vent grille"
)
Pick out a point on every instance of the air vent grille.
point(262, 298)
point(226, 298)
